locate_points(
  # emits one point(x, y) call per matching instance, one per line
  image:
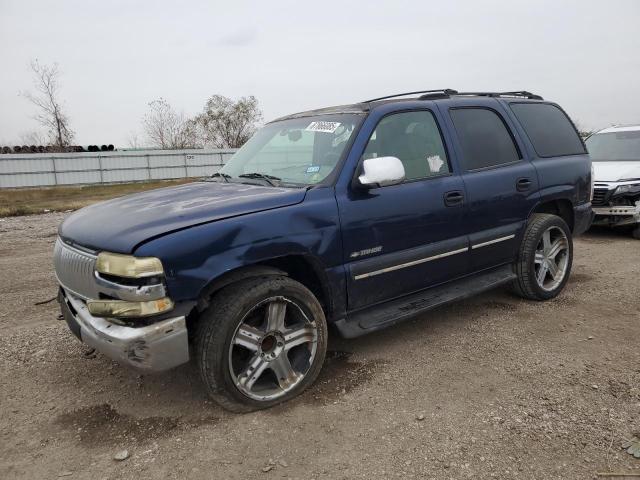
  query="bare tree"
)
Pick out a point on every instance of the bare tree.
point(33, 138)
point(193, 134)
point(132, 139)
point(228, 124)
point(167, 129)
point(46, 100)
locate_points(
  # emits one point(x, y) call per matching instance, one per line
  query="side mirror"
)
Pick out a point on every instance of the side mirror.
point(381, 171)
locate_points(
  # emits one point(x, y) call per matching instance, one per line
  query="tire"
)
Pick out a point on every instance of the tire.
point(261, 342)
point(536, 259)
point(635, 233)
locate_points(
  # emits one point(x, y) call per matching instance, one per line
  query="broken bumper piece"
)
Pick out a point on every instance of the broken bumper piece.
point(617, 215)
point(151, 348)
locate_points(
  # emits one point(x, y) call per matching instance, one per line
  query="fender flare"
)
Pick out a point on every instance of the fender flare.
point(234, 276)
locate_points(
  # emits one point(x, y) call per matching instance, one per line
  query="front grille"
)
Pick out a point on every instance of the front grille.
point(599, 196)
point(74, 270)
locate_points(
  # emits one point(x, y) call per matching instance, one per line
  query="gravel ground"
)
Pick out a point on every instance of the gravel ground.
point(492, 387)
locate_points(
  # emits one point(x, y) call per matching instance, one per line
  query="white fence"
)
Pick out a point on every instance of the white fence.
point(49, 169)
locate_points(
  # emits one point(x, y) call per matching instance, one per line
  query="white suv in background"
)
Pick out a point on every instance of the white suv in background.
point(615, 153)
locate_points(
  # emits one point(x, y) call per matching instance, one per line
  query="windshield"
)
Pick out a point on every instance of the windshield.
point(295, 152)
point(614, 146)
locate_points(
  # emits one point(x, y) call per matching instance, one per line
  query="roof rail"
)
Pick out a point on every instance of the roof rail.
point(440, 91)
point(520, 93)
point(437, 95)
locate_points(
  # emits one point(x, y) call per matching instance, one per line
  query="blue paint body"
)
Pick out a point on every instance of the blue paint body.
point(205, 230)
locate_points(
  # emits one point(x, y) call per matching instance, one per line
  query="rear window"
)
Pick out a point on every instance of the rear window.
point(484, 138)
point(549, 129)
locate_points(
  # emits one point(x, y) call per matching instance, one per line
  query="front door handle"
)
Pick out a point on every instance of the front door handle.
point(523, 184)
point(453, 198)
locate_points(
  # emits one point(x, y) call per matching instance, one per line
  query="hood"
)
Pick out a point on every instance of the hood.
point(615, 171)
point(119, 225)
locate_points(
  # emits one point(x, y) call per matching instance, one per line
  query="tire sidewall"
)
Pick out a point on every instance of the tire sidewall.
point(237, 301)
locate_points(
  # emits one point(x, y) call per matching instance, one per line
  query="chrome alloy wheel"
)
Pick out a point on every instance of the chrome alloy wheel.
point(272, 349)
point(552, 258)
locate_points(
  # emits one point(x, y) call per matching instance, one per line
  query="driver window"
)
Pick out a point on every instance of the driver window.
point(414, 138)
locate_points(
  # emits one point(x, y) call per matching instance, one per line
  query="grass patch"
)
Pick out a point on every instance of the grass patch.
point(30, 201)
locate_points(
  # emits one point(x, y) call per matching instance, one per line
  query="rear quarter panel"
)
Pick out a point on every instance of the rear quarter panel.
point(567, 177)
point(560, 178)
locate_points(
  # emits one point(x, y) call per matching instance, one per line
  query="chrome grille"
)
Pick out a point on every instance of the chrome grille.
point(74, 270)
point(599, 196)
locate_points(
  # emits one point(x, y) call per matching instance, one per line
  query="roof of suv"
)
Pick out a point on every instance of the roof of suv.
point(439, 94)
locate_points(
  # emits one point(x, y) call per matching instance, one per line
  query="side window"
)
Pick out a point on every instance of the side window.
point(549, 129)
point(484, 138)
point(414, 138)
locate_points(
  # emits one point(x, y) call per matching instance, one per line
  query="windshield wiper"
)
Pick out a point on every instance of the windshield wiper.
point(263, 176)
point(224, 176)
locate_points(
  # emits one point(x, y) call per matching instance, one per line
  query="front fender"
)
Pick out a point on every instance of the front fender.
point(195, 257)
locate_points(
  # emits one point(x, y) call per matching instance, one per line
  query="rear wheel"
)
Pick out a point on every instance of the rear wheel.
point(261, 342)
point(545, 258)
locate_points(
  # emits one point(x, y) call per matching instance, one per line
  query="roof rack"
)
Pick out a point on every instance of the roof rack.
point(446, 92)
point(440, 92)
point(520, 93)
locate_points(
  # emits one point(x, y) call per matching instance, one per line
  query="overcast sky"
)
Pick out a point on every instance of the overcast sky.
point(116, 56)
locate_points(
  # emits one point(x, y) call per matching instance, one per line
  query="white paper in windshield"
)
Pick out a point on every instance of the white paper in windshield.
point(326, 127)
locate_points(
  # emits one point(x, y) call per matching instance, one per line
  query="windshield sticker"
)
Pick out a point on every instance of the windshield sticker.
point(313, 169)
point(325, 127)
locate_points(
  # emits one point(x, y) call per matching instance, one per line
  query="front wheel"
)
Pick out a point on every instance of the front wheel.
point(545, 258)
point(261, 342)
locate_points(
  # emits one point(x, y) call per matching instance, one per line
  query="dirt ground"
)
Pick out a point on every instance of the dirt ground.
point(492, 387)
point(28, 201)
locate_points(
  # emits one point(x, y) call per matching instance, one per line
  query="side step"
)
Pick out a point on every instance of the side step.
point(384, 315)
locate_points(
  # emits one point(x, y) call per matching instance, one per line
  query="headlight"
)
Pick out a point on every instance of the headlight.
point(121, 309)
point(128, 266)
point(631, 188)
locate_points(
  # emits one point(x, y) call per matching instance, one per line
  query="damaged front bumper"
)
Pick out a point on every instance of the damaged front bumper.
point(617, 216)
point(149, 348)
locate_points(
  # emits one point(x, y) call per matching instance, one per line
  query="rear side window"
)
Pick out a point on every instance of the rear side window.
point(484, 138)
point(549, 129)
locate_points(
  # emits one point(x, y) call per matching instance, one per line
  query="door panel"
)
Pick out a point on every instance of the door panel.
point(403, 238)
point(413, 236)
point(501, 185)
point(497, 211)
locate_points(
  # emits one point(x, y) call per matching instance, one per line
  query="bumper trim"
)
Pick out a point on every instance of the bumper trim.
point(152, 348)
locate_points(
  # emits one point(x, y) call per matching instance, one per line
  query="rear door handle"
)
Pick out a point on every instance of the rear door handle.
point(453, 198)
point(523, 184)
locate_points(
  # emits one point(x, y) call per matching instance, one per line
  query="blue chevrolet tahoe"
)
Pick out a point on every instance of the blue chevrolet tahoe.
point(352, 218)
